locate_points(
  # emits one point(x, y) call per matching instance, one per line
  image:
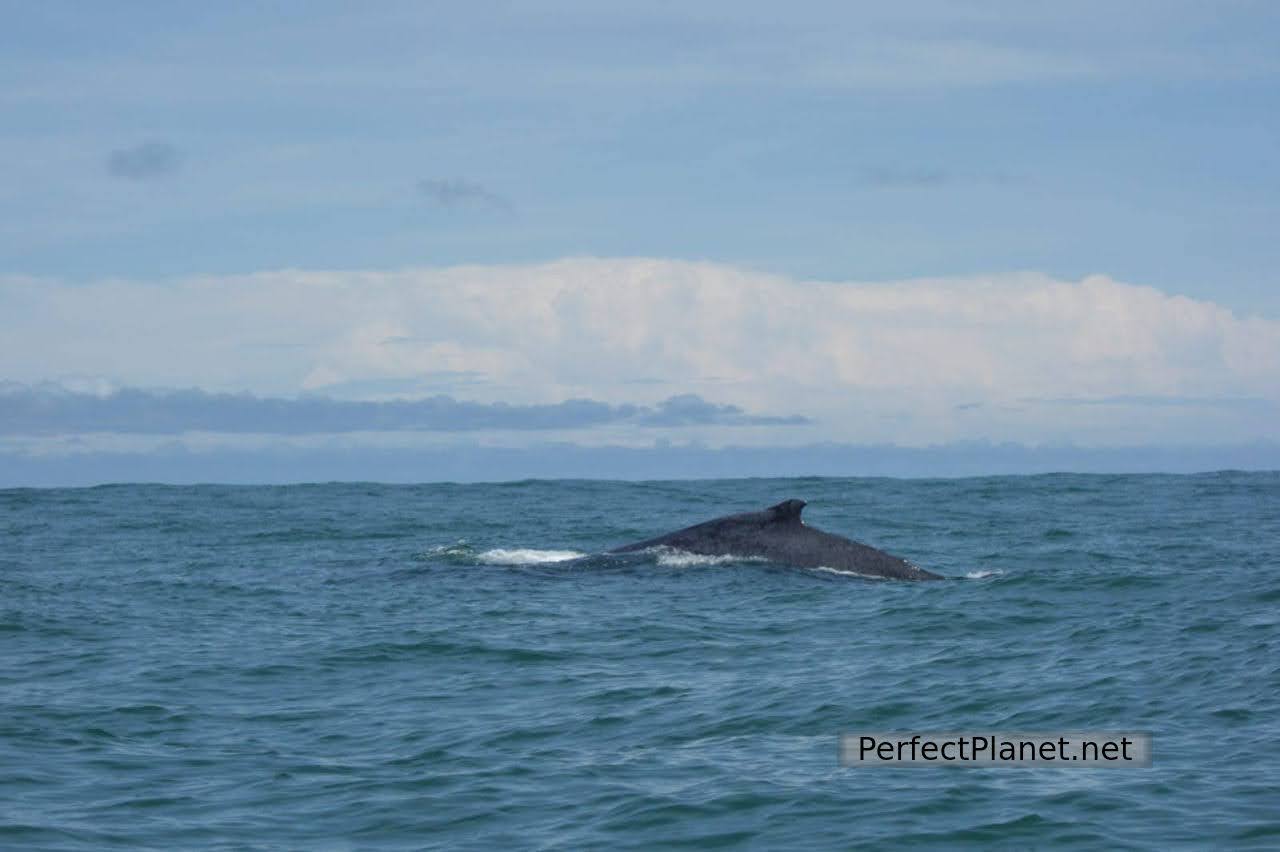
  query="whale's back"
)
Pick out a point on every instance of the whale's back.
point(779, 535)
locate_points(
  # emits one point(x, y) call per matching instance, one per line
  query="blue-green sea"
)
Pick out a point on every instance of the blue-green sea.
point(360, 666)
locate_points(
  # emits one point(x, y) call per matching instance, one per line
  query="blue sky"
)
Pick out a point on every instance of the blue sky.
point(999, 221)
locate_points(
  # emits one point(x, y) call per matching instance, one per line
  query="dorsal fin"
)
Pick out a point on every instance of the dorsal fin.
point(788, 511)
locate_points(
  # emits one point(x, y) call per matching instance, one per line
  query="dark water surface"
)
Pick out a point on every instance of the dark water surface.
point(367, 666)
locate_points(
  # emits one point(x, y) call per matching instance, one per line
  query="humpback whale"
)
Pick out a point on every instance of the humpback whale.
point(778, 535)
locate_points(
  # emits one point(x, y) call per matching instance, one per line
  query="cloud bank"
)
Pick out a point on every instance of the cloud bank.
point(913, 362)
point(48, 410)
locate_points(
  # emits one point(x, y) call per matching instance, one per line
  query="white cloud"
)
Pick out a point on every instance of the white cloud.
point(893, 361)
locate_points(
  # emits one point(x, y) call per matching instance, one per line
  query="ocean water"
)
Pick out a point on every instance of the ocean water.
point(353, 666)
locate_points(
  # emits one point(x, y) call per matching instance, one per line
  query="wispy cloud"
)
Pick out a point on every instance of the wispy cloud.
point(1170, 401)
point(49, 409)
point(886, 177)
point(144, 162)
point(930, 177)
point(454, 192)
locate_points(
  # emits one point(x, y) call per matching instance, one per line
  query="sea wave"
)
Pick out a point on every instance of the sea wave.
point(458, 548)
point(363, 668)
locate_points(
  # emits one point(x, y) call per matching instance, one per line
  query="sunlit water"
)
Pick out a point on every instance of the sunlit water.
point(364, 666)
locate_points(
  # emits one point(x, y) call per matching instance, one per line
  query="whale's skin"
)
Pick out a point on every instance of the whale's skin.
point(779, 535)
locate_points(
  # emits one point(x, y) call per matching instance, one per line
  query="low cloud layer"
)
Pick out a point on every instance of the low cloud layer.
point(47, 410)
point(143, 162)
point(1161, 401)
point(918, 362)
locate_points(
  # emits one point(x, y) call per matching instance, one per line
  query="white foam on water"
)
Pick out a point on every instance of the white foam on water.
point(844, 573)
point(526, 556)
point(671, 558)
point(982, 575)
point(459, 548)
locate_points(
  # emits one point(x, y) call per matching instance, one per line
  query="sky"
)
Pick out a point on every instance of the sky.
point(714, 233)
